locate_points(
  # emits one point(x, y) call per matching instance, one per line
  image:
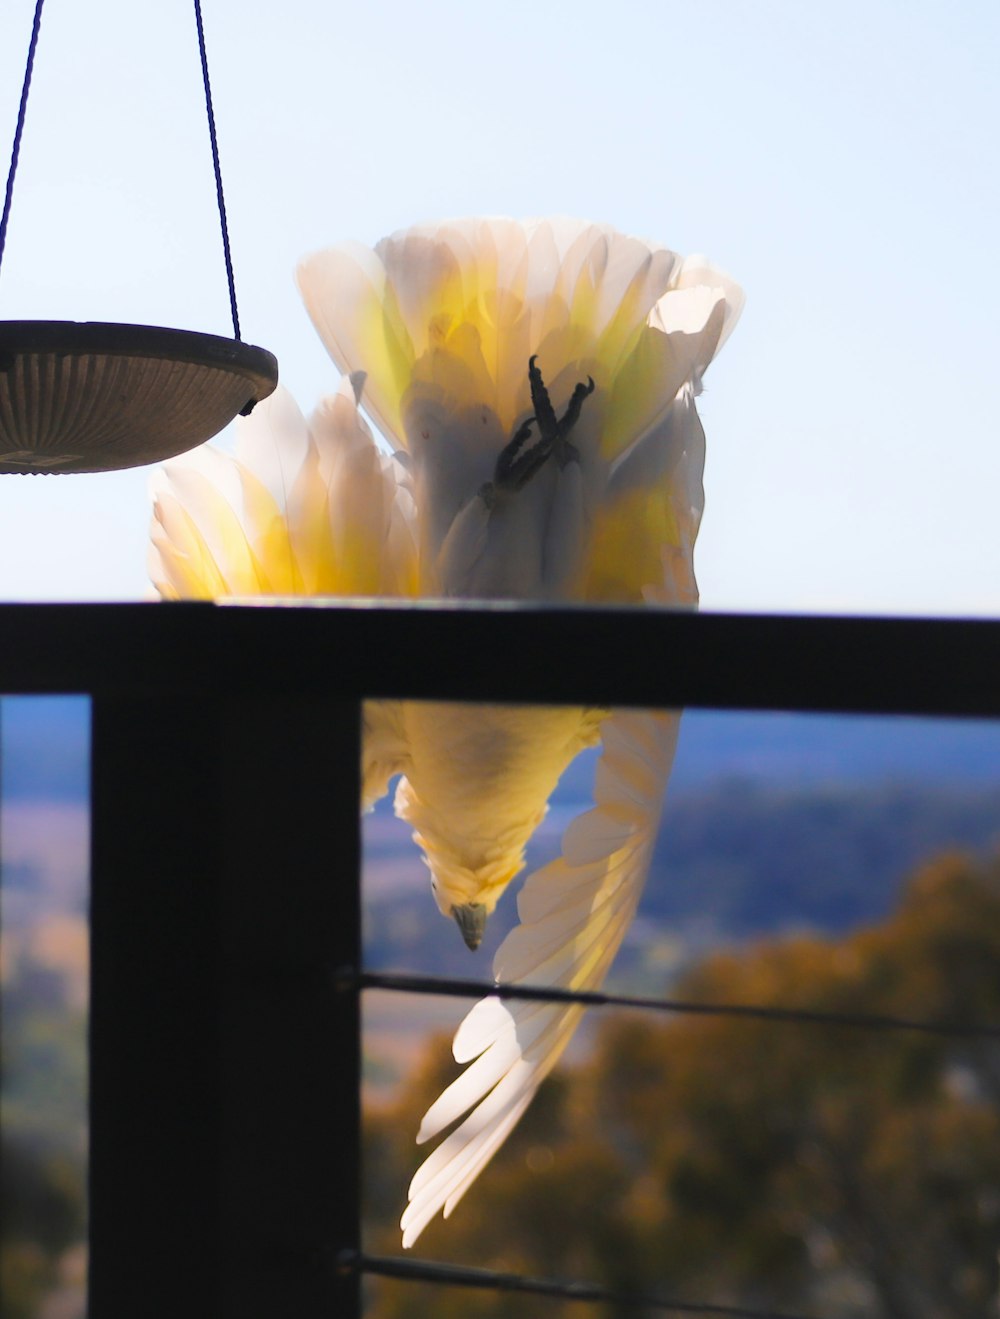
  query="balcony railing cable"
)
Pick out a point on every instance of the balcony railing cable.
point(454, 988)
point(454, 1275)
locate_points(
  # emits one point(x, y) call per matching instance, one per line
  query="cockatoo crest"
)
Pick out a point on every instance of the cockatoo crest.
point(537, 382)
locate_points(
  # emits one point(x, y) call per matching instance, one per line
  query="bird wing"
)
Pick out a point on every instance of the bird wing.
point(574, 913)
point(385, 750)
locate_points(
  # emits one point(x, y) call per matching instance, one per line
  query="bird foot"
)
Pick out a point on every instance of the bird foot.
point(516, 465)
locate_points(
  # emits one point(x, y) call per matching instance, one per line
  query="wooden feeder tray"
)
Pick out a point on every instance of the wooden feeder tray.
point(92, 397)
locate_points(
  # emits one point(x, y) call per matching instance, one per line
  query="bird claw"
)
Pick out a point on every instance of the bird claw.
point(540, 401)
point(515, 466)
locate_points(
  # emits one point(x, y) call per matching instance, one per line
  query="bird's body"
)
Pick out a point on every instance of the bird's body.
point(476, 784)
point(537, 383)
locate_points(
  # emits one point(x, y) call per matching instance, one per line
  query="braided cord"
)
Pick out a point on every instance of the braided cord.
point(218, 171)
point(19, 129)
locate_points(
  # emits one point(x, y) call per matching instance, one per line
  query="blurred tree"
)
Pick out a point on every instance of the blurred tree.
point(43, 1089)
point(839, 1170)
point(44, 1209)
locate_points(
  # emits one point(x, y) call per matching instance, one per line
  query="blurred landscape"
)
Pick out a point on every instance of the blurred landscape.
point(794, 1167)
point(774, 825)
point(44, 968)
point(802, 858)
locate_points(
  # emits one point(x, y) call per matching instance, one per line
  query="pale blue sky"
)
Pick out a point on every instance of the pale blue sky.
point(840, 160)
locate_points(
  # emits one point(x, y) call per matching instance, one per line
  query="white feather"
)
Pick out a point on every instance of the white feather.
point(480, 1028)
point(272, 442)
point(574, 916)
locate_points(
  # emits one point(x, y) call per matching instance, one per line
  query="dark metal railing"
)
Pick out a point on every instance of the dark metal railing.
point(226, 971)
point(637, 657)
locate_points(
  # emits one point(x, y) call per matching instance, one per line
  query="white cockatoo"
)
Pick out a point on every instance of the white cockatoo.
point(535, 386)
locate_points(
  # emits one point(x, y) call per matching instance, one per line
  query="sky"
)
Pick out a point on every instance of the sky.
point(840, 161)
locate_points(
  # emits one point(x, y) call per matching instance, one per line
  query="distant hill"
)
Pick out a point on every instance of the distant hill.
point(45, 742)
point(734, 861)
point(782, 747)
point(773, 822)
point(758, 859)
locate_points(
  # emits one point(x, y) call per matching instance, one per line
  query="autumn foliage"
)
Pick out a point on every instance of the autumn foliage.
point(829, 1170)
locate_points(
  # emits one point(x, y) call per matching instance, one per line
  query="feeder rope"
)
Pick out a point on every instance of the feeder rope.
point(218, 170)
point(16, 149)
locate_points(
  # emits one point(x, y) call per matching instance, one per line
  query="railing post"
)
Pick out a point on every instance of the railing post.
point(224, 1057)
point(291, 1057)
point(154, 1013)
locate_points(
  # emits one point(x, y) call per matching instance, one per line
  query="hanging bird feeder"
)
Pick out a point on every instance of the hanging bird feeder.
point(93, 397)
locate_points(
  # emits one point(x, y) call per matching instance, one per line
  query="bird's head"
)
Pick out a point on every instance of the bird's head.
point(469, 897)
point(471, 920)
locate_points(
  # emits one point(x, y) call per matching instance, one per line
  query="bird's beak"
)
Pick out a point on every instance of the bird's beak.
point(471, 920)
